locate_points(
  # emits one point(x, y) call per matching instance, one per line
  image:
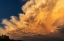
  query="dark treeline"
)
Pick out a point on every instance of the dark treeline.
point(6, 38)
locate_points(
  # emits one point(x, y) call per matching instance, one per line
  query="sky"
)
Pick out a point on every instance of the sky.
point(9, 8)
point(39, 17)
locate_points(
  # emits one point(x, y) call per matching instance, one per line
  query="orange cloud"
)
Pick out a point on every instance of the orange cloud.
point(39, 18)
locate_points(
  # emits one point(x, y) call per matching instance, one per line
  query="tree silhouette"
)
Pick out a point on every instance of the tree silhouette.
point(6, 38)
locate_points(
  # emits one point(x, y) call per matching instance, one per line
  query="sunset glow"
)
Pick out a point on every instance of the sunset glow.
point(40, 18)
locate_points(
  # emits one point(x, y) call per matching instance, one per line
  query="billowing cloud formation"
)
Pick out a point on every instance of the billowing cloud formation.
point(41, 17)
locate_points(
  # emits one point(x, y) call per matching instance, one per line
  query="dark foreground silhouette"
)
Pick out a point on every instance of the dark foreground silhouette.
point(6, 38)
point(31, 38)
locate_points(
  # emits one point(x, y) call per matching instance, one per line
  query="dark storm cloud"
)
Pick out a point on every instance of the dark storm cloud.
point(42, 38)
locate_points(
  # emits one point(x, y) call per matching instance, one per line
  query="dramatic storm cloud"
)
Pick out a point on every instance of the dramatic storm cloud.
point(40, 17)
